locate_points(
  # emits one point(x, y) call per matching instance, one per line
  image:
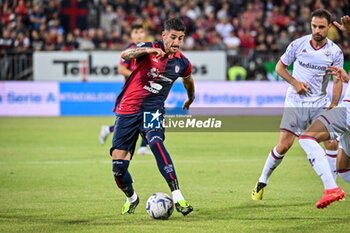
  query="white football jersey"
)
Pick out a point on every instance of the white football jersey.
point(310, 66)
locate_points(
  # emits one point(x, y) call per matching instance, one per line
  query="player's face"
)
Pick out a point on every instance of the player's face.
point(320, 27)
point(138, 35)
point(172, 40)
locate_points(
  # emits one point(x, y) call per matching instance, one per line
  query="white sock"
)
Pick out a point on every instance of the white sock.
point(273, 160)
point(345, 175)
point(177, 195)
point(319, 163)
point(331, 156)
point(132, 198)
point(108, 130)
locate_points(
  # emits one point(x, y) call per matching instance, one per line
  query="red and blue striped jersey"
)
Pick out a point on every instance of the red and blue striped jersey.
point(149, 84)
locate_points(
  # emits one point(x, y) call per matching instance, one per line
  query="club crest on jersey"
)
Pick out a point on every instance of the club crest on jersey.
point(328, 53)
point(177, 69)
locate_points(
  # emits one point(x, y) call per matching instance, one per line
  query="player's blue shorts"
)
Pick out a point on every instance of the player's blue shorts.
point(127, 128)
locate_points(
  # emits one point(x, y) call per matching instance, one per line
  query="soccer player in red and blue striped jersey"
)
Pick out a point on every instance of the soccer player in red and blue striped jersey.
point(125, 68)
point(159, 65)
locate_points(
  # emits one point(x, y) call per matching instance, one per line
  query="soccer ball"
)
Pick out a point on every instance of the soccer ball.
point(160, 206)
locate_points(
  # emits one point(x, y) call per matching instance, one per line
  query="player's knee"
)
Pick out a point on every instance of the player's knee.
point(285, 142)
point(120, 167)
point(308, 134)
point(154, 141)
point(154, 138)
point(331, 144)
point(283, 148)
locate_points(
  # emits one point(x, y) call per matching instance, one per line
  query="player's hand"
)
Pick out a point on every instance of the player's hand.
point(345, 26)
point(331, 106)
point(301, 88)
point(187, 104)
point(338, 73)
point(158, 52)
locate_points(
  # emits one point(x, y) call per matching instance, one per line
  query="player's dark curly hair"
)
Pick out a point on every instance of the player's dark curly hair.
point(136, 26)
point(322, 13)
point(174, 24)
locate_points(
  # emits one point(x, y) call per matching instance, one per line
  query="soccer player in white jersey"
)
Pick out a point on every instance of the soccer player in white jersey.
point(306, 97)
point(333, 123)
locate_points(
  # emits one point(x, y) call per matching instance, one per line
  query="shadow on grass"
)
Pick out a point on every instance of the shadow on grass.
point(107, 220)
point(261, 211)
point(250, 213)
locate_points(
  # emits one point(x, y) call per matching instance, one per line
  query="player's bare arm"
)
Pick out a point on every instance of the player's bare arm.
point(345, 24)
point(189, 86)
point(339, 73)
point(337, 91)
point(300, 87)
point(134, 53)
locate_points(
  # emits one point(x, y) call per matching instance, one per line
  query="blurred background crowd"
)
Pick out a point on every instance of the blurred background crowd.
point(248, 28)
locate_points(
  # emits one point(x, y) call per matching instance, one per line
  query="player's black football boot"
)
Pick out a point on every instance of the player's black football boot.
point(129, 207)
point(183, 207)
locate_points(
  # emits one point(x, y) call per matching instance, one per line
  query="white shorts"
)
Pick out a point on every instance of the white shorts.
point(344, 143)
point(297, 115)
point(337, 122)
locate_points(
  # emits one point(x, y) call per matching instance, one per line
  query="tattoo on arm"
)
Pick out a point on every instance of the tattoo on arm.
point(133, 53)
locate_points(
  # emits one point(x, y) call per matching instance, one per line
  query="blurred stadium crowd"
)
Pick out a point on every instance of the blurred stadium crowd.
point(256, 26)
point(254, 33)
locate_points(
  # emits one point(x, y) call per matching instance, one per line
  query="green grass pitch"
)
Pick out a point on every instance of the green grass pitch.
point(56, 177)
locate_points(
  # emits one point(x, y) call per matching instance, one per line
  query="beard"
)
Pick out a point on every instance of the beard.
point(318, 37)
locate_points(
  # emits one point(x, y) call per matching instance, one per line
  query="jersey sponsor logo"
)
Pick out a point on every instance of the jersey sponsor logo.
point(153, 87)
point(165, 79)
point(156, 86)
point(154, 73)
point(312, 66)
